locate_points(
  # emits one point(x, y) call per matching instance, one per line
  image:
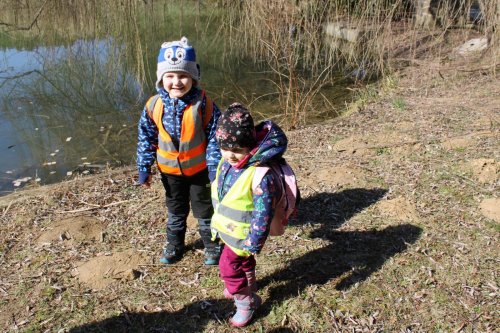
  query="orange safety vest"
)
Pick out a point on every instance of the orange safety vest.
point(190, 158)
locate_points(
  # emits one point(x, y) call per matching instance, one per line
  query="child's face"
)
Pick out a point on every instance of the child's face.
point(234, 155)
point(177, 84)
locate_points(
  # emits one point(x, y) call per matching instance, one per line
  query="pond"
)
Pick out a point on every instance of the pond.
point(60, 115)
point(70, 105)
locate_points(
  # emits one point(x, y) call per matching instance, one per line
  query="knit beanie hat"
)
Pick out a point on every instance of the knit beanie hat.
point(235, 128)
point(177, 56)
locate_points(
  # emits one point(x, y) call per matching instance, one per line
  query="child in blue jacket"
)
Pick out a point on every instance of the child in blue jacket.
point(177, 129)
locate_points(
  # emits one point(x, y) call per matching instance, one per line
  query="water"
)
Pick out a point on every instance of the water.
point(59, 115)
point(71, 105)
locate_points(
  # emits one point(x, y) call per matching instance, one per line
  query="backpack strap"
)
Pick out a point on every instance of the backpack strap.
point(260, 172)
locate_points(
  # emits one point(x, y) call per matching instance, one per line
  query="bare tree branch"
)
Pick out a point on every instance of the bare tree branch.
point(18, 76)
point(5, 79)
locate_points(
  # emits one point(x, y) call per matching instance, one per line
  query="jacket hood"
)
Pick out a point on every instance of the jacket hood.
point(271, 143)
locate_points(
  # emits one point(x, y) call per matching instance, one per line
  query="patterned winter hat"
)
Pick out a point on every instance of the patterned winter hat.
point(177, 56)
point(235, 128)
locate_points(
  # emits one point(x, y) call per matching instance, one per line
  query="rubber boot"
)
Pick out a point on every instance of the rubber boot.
point(252, 284)
point(227, 294)
point(174, 247)
point(246, 303)
point(212, 248)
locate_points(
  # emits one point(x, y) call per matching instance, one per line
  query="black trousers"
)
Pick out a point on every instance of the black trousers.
point(180, 192)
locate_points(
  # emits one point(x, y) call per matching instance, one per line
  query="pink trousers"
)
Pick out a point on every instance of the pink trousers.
point(233, 268)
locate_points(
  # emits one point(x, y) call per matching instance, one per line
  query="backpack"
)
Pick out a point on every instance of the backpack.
point(286, 203)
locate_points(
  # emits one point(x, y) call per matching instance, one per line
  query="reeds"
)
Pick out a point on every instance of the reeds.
point(306, 43)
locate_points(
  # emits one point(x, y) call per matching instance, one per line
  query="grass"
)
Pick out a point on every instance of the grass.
point(360, 270)
point(399, 104)
point(492, 225)
point(382, 151)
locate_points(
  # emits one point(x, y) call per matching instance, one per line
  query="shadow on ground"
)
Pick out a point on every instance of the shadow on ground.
point(331, 210)
point(192, 318)
point(352, 255)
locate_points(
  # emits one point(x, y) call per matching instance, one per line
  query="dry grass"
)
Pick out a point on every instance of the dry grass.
point(288, 39)
point(294, 40)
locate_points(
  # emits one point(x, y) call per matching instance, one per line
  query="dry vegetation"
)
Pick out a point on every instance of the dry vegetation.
point(397, 231)
point(306, 44)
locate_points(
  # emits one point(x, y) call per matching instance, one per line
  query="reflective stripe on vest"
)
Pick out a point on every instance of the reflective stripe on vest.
point(190, 158)
point(232, 215)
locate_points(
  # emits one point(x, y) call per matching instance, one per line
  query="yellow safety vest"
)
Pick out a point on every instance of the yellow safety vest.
point(190, 158)
point(232, 215)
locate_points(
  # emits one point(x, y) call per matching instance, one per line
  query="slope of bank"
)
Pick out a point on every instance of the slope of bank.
point(397, 231)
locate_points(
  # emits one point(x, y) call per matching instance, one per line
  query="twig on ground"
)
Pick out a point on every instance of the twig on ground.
point(7, 209)
point(92, 208)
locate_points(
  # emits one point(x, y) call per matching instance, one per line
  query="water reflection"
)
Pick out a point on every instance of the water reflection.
point(74, 107)
point(65, 108)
